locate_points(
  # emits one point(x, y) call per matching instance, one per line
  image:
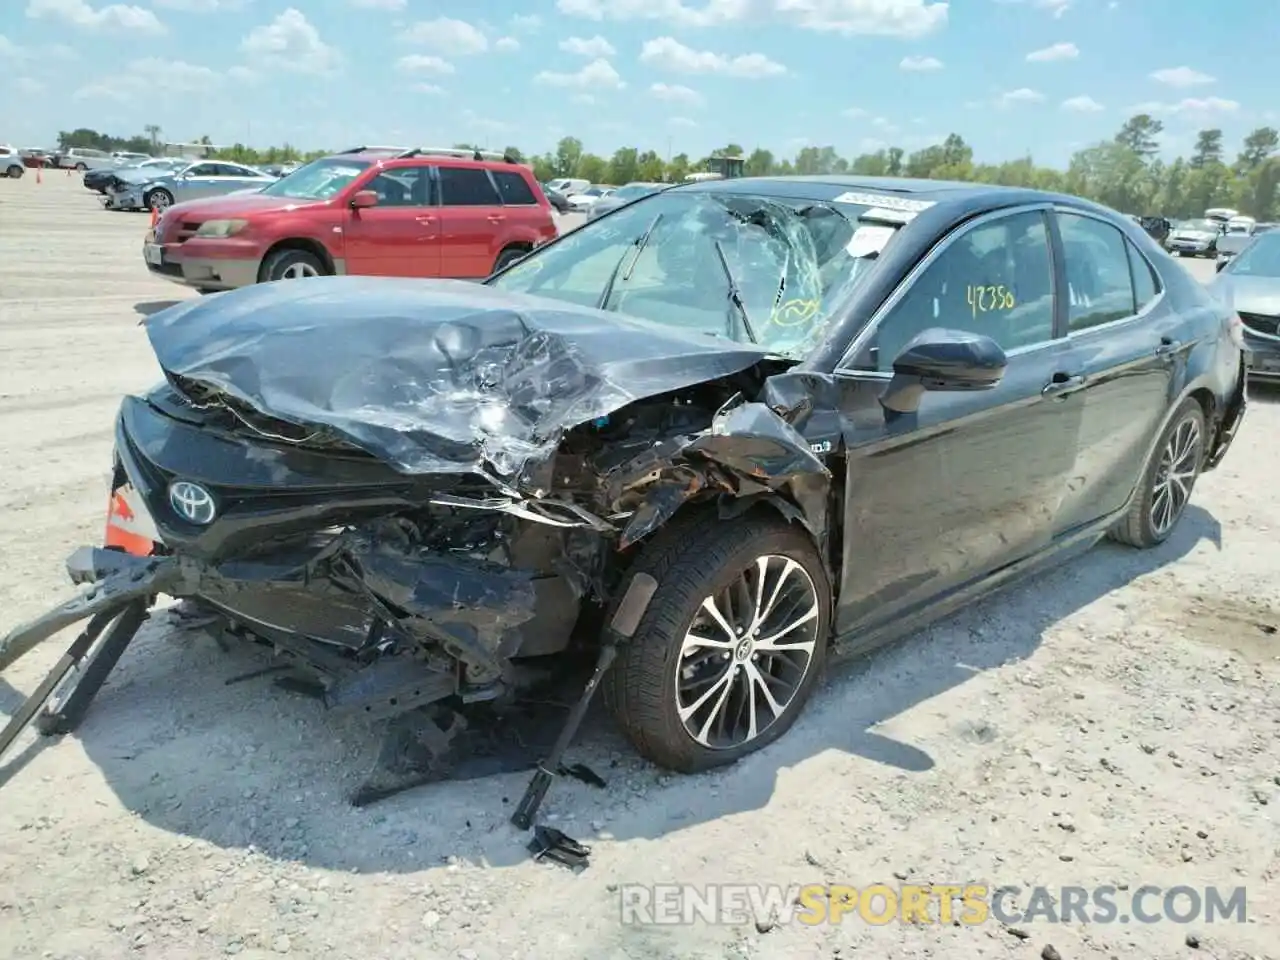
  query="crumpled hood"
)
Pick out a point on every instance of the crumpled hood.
point(431, 376)
point(1197, 235)
point(1249, 294)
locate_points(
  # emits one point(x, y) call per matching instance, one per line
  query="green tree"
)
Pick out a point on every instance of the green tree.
point(568, 155)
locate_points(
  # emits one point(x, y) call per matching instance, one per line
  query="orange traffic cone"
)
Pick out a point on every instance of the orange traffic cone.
point(38, 179)
point(155, 217)
point(68, 171)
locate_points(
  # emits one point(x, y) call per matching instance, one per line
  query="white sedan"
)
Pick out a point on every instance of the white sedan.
point(582, 202)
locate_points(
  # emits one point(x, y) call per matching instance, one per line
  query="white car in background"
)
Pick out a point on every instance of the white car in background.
point(11, 164)
point(584, 201)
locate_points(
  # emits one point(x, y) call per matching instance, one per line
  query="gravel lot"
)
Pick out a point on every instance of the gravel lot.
point(1114, 722)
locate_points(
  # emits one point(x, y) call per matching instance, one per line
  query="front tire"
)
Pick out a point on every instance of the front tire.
point(81, 168)
point(158, 199)
point(14, 172)
point(1167, 480)
point(292, 265)
point(731, 645)
point(508, 257)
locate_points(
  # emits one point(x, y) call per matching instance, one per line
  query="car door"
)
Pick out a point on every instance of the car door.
point(198, 180)
point(400, 236)
point(972, 481)
point(1125, 342)
point(472, 221)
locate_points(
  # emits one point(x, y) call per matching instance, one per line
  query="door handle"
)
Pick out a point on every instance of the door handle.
point(1168, 347)
point(1063, 383)
point(496, 217)
point(426, 219)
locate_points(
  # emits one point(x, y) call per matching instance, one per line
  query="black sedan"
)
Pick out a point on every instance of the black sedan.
point(707, 436)
point(1249, 282)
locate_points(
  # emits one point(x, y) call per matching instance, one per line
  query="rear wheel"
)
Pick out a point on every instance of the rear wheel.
point(292, 265)
point(14, 171)
point(81, 167)
point(508, 257)
point(158, 199)
point(730, 647)
point(1167, 480)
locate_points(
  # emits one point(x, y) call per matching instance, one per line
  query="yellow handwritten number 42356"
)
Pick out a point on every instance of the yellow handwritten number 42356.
point(983, 299)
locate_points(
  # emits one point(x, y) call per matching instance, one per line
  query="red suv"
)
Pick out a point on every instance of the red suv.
point(371, 211)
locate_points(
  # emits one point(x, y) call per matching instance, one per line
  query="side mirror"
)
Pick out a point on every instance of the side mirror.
point(945, 360)
point(1222, 262)
point(364, 199)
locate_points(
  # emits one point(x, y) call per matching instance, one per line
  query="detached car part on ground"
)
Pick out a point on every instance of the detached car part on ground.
point(697, 440)
point(1249, 282)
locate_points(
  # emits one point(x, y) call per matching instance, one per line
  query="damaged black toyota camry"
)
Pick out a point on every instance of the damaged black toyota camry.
point(699, 439)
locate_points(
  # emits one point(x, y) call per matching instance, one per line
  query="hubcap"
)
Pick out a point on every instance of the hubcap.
point(160, 200)
point(1179, 464)
point(747, 652)
point(296, 271)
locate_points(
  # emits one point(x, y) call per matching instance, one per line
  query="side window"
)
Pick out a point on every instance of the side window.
point(995, 279)
point(467, 187)
point(402, 187)
point(203, 170)
point(513, 188)
point(1146, 284)
point(1099, 287)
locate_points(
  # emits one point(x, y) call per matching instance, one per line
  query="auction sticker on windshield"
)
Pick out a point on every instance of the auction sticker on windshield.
point(153, 253)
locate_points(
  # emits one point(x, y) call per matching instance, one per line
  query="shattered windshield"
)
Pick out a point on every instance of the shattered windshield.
point(757, 269)
point(318, 180)
point(1259, 259)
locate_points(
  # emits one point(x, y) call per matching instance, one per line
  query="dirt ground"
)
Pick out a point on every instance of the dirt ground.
point(1114, 722)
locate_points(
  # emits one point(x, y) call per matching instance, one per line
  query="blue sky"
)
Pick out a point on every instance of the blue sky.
point(1045, 76)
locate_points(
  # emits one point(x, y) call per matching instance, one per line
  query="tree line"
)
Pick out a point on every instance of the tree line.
point(1125, 172)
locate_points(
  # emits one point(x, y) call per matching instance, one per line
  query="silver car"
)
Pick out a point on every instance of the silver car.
point(1196, 238)
point(205, 178)
point(624, 195)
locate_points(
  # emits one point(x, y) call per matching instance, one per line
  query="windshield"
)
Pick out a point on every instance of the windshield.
point(318, 180)
point(1200, 226)
point(751, 268)
point(1233, 243)
point(1259, 259)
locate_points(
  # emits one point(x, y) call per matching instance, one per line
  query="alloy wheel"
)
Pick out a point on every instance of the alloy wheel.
point(159, 200)
point(298, 271)
point(1179, 466)
point(746, 653)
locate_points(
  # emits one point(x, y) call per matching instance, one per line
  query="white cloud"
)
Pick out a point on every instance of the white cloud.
point(450, 36)
point(10, 50)
point(506, 44)
point(592, 47)
point(854, 113)
point(585, 99)
point(28, 86)
point(380, 4)
point(1056, 8)
point(424, 63)
point(920, 64)
point(1191, 106)
point(1058, 51)
point(244, 75)
point(682, 122)
point(871, 145)
point(674, 93)
point(116, 16)
point(668, 53)
point(1181, 77)
point(1082, 104)
point(1021, 95)
point(199, 6)
point(429, 88)
point(290, 42)
point(477, 122)
point(526, 23)
point(902, 18)
point(595, 75)
point(148, 75)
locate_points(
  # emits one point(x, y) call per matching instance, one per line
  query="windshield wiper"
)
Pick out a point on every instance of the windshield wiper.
point(634, 252)
point(735, 297)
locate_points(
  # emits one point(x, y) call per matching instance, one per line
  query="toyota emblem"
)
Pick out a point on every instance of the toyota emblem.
point(192, 502)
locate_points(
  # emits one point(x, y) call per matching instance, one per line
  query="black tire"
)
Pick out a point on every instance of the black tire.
point(15, 171)
point(279, 264)
point(508, 257)
point(693, 561)
point(81, 167)
point(159, 198)
point(1139, 528)
point(205, 291)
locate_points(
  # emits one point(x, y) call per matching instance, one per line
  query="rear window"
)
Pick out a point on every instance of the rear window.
point(466, 187)
point(513, 188)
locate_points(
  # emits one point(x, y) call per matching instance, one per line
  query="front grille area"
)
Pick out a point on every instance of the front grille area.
point(1262, 323)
